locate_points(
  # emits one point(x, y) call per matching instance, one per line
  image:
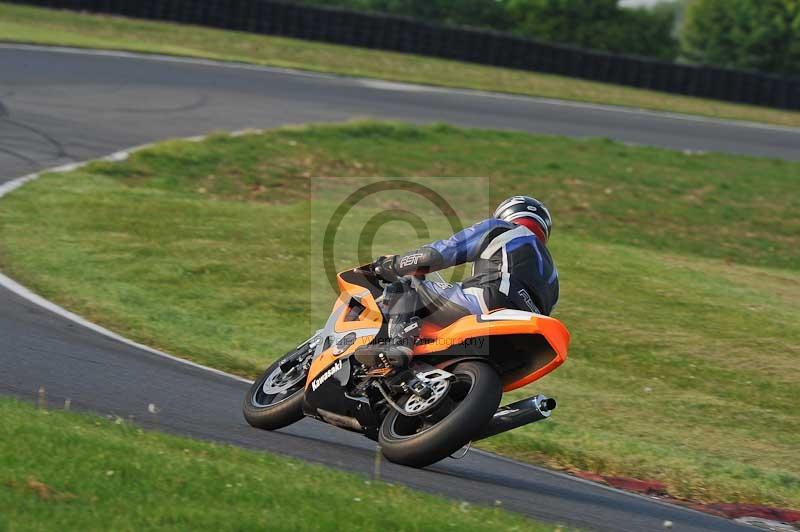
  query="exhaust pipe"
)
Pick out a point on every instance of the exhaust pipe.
point(517, 414)
point(338, 420)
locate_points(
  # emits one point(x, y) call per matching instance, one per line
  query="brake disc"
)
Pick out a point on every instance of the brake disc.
point(279, 382)
point(438, 381)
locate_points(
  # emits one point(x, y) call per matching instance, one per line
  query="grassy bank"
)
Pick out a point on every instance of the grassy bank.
point(76, 472)
point(42, 26)
point(679, 279)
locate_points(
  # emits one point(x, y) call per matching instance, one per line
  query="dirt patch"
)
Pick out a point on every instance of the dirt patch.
point(657, 489)
point(45, 492)
point(646, 487)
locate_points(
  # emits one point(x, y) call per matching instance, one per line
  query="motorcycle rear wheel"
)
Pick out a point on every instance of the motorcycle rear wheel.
point(470, 403)
point(272, 411)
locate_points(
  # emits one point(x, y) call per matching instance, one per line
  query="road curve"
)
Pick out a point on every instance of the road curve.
point(58, 106)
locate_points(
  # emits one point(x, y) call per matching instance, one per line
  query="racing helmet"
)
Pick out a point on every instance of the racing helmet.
point(527, 211)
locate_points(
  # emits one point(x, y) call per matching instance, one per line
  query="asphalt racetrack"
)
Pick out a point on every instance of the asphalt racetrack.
point(59, 106)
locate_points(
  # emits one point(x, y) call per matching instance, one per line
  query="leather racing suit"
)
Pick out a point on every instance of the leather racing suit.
point(511, 268)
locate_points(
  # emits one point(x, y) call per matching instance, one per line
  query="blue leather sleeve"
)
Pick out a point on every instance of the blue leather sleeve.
point(464, 246)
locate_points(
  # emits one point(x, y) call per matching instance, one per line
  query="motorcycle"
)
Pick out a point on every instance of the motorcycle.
point(425, 411)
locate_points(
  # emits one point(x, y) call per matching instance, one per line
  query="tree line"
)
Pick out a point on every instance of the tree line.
point(761, 35)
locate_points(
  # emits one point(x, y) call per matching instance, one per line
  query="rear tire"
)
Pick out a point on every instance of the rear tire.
point(275, 411)
point(476, 394)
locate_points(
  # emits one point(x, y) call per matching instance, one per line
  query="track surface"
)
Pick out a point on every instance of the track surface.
point(59, 106)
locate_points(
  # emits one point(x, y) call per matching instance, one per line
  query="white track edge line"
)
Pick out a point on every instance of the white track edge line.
point(375, 83)
point(27, 294)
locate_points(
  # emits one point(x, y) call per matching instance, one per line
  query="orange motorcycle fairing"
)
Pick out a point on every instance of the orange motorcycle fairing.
point(522, 345)
point(355, 314)
point(362, 308)
point(525, 346)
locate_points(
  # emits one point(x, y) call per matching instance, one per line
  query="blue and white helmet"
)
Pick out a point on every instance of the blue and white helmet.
point(527, 211)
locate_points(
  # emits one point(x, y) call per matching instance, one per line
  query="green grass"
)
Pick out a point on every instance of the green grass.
point(42, 26)
point(63, 471)
point(680, 279)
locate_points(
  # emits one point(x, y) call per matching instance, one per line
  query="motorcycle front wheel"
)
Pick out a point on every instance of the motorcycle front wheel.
point(471, 401)
point(275, 400)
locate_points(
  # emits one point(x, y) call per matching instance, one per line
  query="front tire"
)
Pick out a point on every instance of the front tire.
point(470, 403)
point(275, 400)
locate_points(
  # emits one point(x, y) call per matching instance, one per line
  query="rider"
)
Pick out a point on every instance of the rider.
point(512, 268)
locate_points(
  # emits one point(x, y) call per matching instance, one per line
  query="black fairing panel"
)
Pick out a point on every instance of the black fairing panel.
point(331, 394)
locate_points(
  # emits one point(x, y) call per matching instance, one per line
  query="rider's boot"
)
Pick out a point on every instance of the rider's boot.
point(397, 352)
point(374, 356)
point(401, 303)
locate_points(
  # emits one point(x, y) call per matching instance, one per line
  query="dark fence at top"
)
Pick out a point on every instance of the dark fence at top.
point(477, 46)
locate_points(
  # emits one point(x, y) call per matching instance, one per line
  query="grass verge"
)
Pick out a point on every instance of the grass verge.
point(78, 472)
point(680, 279)
point(43, 26)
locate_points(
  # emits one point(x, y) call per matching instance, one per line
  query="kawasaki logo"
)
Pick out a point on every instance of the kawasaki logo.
point(316, 383)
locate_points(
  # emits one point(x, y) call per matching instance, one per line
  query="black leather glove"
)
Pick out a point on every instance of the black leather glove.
point(384, 268)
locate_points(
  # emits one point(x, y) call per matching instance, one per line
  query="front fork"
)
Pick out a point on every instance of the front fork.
point(296, 357)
